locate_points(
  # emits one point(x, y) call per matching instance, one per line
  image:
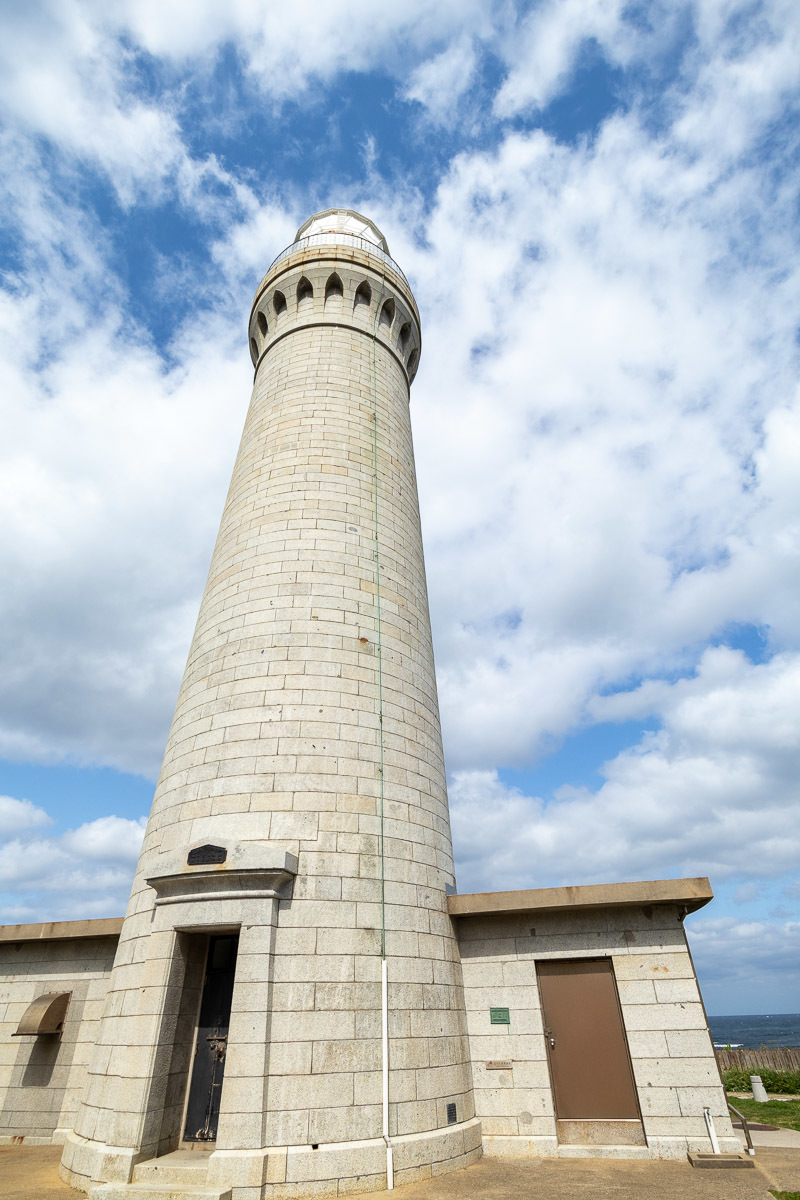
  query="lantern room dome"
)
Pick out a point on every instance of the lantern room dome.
point(342, 220)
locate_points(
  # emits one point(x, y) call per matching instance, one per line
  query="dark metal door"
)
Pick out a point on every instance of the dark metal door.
point(589, 1062)
point(208, 1068)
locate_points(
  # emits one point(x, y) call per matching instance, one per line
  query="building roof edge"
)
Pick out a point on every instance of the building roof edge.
point(689, 894)
point(59, 930)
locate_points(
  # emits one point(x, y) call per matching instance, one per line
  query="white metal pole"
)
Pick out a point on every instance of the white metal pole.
point(712, 1133)
point(385, 1041)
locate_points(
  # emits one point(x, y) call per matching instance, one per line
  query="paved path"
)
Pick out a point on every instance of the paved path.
point(29, 1173)
point(777, 1137)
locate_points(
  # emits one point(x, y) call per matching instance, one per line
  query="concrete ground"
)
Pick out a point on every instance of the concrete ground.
point(608, 1179)
point(30, 1173)
point(775, 1137)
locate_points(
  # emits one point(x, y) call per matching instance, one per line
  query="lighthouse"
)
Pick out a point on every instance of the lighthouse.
point(285, 1014)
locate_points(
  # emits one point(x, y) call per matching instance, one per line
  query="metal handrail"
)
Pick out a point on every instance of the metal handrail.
point(745, 1127)
point(337, 239)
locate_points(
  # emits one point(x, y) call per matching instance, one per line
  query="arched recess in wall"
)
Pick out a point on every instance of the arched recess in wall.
point(261, 320)
point(387, 314)
point(405, 334)
point(279, 303)
point(304, 291)
point(363, 295)
point(333, 288)
point(413, 360)
point(254, 350)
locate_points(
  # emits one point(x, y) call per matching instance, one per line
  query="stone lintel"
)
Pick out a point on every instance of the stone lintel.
point(688, 894)
point(54, 931)
point(248, 871)
point(238, 885)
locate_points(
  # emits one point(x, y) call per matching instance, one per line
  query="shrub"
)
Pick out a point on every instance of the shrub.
point(781, 1083)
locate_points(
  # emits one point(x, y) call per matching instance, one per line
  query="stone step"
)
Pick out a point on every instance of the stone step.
point(600, 1133)
point(155, 1191)
point(590, 1151)
point(180, 1166)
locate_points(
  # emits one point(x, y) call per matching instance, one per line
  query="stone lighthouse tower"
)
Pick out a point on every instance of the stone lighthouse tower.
point(285, 1014)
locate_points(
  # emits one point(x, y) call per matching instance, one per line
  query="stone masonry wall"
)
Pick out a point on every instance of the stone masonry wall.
point(42, 1078)
point(671, 1052)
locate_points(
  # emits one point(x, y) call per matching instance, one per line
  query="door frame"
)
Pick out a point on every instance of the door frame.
point(208, 932)
point(607, 958)
point(182, 1144)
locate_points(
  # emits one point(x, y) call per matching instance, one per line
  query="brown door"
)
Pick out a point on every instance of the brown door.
point(589, 1062)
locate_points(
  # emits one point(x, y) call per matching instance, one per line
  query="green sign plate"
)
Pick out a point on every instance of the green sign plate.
point(499, 1016)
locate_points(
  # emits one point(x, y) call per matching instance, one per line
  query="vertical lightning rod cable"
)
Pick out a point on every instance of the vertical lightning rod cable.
point(384, 964)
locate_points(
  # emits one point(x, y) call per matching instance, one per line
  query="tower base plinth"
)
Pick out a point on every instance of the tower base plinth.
point(276, 1171)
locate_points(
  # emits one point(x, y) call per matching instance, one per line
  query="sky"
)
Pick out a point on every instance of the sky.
point(596, 203)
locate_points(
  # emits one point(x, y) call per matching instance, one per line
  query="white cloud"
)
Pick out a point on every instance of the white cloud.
point(714, 792)
point(63, 76)
point(742, 72)
point(283, 54)
point(16, 815)
point(752, 964)
point(542, 52)
point(609, 363)
point(71, 73)
point(439, 83)
point(736, 71)
point(102, 439)
point(78, 73)
point(108, 839)
point(82, 872)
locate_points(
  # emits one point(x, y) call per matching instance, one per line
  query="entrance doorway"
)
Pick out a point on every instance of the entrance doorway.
point(208, 1066)
point(590, 1066)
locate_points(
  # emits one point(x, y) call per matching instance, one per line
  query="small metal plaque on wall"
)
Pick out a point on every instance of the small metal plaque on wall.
point(452, 1116)
point(499, 1016)
point(206, 854)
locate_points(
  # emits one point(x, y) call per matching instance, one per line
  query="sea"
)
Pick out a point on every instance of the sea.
point(779, 1029)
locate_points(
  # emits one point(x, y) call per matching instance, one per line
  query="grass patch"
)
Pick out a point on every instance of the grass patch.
point(785, 1195)
point(783, 1113)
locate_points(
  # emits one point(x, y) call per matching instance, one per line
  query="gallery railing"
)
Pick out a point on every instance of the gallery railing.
point(337, 239)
